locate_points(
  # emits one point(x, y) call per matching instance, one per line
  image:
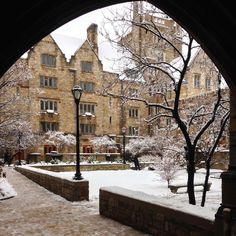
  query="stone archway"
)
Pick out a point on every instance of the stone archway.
point(211, 23)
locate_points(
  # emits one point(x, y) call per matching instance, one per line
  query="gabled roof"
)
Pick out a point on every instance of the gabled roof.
point(68, 45)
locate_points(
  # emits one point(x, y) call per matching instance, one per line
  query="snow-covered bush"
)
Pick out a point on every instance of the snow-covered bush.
point(150, 158)
point(103, 142)
point(91, 159)
point(19, 136)
point(169, 165)
point(59, 139)
point(143, 146)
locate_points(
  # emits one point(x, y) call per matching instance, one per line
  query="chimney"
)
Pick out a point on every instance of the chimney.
point(92, 36)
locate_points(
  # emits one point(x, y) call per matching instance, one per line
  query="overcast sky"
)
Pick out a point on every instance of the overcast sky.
point(78, 27)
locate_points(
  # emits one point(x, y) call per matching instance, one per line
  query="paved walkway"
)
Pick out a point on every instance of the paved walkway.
point(37, 212)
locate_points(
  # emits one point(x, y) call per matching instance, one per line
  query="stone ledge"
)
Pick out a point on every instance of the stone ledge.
point(151, 215)
point(71, 190)
point(83, 167)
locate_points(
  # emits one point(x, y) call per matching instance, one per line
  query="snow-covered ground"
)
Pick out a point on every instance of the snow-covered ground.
point(6, 190)
point(149, 182)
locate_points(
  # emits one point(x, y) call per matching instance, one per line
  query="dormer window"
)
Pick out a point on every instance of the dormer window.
point(48, 60)
point(86, 66)
point(208, 83)
point(196, 81)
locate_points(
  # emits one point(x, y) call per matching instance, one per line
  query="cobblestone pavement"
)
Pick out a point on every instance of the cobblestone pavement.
point(37, 212)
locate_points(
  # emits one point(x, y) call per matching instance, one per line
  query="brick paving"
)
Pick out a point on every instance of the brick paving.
point(37, 212)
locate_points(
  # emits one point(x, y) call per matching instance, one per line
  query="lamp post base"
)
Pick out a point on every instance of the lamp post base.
point(77, 176)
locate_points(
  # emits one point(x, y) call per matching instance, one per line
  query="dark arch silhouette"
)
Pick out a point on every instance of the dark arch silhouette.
point(211, 22)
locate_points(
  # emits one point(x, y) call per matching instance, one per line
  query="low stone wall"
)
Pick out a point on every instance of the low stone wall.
point(83, 167)
point(36, 157)
point(220, 160)
point(71, 190)
point(143, 212)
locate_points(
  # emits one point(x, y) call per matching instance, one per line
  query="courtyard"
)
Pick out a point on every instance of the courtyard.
point(36, 211)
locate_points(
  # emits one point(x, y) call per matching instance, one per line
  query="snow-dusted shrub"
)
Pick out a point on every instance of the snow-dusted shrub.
point(91, 159)
point(150, 158)
point(59, 139)
point(169, 165)
point(19, 136)
point(143, 146)
point(103, 142)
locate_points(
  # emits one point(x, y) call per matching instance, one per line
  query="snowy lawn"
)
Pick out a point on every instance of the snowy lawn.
point(146, 181)
point(151, 183)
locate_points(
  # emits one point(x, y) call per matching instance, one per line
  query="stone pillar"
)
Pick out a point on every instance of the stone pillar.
point(225, 218)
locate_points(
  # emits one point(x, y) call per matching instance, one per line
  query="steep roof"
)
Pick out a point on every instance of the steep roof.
point(68, 45)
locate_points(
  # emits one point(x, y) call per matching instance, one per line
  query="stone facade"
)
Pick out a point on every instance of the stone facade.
point(201, 76)
point(51, 102)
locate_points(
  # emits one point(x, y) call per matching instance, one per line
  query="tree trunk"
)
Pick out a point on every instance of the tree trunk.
point(191, 171)
point(206, 182)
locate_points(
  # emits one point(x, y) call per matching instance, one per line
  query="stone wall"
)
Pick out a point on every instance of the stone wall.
point(143, 212)
point(71, 190)
point(91, 156)
point(220, 160)
point(84, 167)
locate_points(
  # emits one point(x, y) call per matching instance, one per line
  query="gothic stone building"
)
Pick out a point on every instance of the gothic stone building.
point(52, 102)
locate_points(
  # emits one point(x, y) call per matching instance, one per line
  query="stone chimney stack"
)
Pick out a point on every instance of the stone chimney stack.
point(92, 36)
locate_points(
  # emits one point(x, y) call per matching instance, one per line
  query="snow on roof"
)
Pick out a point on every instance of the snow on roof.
point(106, 52)
point(68, 44)
point(178, 64)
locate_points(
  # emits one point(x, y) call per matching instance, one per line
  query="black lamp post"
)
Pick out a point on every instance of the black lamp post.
point(19, 148)
point(77, 92)
point(123, 131)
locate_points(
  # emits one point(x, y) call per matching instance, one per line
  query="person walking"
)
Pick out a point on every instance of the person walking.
point(7, 158)
point(136, 162)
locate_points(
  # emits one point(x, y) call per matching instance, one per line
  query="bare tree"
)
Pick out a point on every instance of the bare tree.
point(19, 137)
point(209, 143)
point(156, 60)
point(13, 105)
